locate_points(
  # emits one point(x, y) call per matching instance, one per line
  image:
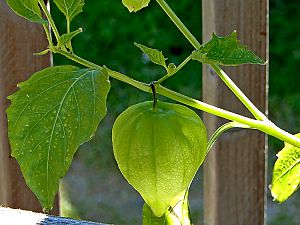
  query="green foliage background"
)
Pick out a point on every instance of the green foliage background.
point(109, 33)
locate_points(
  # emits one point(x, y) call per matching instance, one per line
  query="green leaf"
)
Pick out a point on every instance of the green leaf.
point(65, 39)
point(226, 51)
point(69, 36)
point(171, 68)
point(70, 8)
point(28, 9)
point(135, 5)
point(52, 114)
point(286, 173)
point(42, 52)
point(155, 56)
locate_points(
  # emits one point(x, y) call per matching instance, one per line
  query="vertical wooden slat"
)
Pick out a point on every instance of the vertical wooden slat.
point(19, 39)
point(235, 170)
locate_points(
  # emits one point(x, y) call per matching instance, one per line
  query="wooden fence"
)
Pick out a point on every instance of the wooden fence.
point(235, 171)
point(19, 39)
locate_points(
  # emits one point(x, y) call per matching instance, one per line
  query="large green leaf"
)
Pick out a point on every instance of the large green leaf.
point(286, 174)
point(70, 8)
point(29, 9)
point(52, 114)
point(225, 51)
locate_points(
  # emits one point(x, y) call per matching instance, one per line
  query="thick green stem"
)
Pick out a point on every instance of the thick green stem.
point(68, 25)
point(50, 20)
point(241, 96)
point(271, 129)
point(207, 108)
point(265, 126)
point(189, 36)
point(167, 93)
point(48, 35)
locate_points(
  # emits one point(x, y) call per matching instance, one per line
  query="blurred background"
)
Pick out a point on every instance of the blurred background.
point(94, 189)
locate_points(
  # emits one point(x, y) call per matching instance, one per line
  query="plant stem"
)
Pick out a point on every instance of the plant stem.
point(68, 25)
point(271, 129)
point(208, 108)
point(240, 95)
point(220, 131)
point(167, 93)
point(50, 20)
point(175, 70)
point(264, 126)
point(153, 88)
point(48, 35)
point(189, 36)
point(114, 74)
point(221, 73)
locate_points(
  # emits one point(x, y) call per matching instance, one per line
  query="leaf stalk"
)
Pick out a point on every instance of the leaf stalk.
point(175, 70)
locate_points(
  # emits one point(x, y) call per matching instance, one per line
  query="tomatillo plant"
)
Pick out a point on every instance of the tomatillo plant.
point(158, 146)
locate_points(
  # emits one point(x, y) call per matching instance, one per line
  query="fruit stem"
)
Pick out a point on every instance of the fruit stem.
point(152, 85)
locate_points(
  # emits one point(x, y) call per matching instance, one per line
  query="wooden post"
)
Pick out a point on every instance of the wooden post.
point(235, 170)
point(19, 39)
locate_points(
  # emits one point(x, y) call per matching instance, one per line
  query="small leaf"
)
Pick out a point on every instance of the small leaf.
point(28, 9)
point(171, 68)
point(69, 36)
point(70, 8)
point(52, 114)
point(42, 52)
point(135, 5)
point(286, 173)
point(155, 56)
point(226, 51)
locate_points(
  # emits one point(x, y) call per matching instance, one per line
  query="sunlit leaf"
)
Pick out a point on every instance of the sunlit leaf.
point(29, 9)
point(135, 5)
point(52, 114)
point(286, 173)
point(154, 55)
point(69, 36)
point(226, 51)
point(70, 8)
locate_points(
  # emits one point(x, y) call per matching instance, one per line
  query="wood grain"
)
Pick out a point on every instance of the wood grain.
point(19, 39)
point(235, 170)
